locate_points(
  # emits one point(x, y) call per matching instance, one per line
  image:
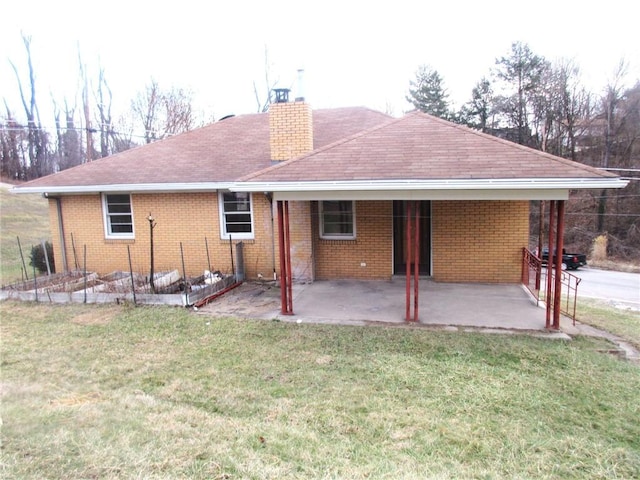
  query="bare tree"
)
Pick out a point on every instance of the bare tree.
point(614, 123)
point(69, 150)
point(178, 111)
point(105, 121)
point(11, 140)
point(263, 103)
point(86, 109)
point(37, 141)
point(163, 113)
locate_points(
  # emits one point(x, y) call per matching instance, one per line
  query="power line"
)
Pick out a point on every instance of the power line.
point(636, 170)
point(604, 214)
point(76, 129)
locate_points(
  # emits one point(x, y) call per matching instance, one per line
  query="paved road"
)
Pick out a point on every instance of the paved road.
point(617, 287)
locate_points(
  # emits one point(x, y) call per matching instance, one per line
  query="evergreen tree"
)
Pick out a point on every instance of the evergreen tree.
point(476, 112)
point(427, 93)
point(521, 73)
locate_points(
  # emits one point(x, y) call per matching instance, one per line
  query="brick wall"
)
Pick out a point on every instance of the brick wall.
point(479, 241)
point(372, 246)
point(291, 130)
point(301, 239)
point(186, 218)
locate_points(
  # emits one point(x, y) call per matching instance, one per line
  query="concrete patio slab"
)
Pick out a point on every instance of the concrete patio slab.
point(444, 304)
point(355, 302)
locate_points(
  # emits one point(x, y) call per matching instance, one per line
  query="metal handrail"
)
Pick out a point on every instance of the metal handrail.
point(533, 277)
point(531, 273)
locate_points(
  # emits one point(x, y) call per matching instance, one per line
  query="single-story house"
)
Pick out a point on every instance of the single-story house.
point(314, 195)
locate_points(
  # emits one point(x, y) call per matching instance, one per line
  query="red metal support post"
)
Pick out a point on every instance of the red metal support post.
point(552, 207)
point(408, 262)
point(283, 262)
point(288, 253)
point(558, 277)
point(540, 231)
point(416, 260)
point(286, 298)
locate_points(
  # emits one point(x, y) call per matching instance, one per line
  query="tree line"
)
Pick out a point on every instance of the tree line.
point(85, 126)
point(544, 105)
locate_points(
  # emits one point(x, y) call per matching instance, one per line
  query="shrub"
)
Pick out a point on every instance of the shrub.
point(599, 250)
point(38, 259)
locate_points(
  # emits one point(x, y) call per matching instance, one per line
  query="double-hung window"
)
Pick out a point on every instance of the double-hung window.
point(118, 215)
point(338, 220)
point(236, 215)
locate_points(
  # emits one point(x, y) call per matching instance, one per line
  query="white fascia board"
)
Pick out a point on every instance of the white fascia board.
point(550, 194)
point(454, 189)
point(129, 188)
point(441, 184)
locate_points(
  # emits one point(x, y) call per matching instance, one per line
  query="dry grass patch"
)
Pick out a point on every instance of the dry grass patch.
point(24, 216)
point(620, 322)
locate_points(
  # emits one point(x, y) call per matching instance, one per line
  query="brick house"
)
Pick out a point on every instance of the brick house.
point(314, 195)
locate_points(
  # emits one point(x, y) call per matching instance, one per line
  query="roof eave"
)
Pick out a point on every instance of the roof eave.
point(435, 184)
point(125, 187)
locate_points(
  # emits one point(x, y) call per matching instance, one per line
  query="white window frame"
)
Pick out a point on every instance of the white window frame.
point(334, 236)
point(106, 216)
point(223, 223)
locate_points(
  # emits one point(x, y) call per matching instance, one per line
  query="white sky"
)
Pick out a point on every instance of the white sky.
point(353, 52)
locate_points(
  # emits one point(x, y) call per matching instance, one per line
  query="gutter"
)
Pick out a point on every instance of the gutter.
point(440, 184)
point(125, 187)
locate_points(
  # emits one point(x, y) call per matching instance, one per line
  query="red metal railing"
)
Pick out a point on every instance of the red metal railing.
point(531, 273)
point(533, 276)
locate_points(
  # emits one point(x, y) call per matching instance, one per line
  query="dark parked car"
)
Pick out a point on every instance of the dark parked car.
point(570, 261)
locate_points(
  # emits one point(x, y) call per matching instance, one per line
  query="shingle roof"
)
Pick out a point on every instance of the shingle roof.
point(422, 147)
point(221, 152)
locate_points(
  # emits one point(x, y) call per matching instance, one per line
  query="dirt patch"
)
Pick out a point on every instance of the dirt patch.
point(94, 317)
point(249, 300)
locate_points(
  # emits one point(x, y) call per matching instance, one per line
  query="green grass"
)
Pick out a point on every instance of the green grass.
point(123, 392)
point(24, 216)
point(623, 323)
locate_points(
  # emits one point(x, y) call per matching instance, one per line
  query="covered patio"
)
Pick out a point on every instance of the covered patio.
point(367, 302)
point(463, 201)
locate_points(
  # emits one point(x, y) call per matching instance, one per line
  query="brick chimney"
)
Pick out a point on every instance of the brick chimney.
point(290, 127)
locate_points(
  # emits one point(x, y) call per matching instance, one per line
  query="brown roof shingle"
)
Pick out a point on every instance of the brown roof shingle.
point(422, 147)
point(221, 152)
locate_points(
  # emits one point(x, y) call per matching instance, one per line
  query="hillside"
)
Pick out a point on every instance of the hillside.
point(23, 216)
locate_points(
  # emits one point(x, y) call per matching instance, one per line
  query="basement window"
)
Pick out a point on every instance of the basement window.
point(118, 215)
point(236, 215)
point(338, 220)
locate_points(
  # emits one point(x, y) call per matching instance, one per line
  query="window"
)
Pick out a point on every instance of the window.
point(118, 216)
point(338, 220)
point(236, 217)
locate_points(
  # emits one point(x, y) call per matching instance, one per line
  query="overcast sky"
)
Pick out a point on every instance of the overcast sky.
point(353, 52)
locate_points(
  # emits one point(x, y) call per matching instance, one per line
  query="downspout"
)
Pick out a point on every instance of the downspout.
point(63, 245)
point(273, 236)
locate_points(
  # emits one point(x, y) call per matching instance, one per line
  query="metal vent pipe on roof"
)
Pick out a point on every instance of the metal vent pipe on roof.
point(300, 97)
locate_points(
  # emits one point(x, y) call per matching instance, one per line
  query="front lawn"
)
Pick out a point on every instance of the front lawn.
point(123, 392)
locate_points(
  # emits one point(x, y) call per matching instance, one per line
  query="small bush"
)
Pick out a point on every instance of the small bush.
point(599, 250)
point(38, 259)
